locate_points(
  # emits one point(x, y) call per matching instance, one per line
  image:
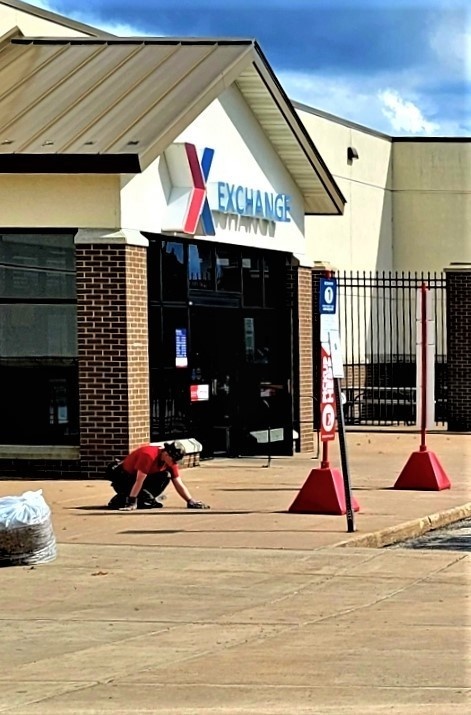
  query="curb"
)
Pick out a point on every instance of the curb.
point(409, 529)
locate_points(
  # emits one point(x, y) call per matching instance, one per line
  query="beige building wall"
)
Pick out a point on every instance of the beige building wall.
point(58, 201)
point(432, 204)
point(32, 25)
point(361, 239)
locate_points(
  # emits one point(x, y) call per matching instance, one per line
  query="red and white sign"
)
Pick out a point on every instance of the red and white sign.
point(199, 393)
point(327, 397)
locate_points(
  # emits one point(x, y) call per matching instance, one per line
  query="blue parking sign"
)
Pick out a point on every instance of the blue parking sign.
point(328, 296)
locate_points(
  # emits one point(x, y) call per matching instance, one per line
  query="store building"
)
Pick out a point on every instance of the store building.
point(154, 281)
point(166, 212)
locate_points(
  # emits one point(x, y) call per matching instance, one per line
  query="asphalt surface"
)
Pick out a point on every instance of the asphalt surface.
point(456, 537)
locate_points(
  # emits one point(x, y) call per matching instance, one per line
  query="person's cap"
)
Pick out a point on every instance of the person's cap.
point(175, 449)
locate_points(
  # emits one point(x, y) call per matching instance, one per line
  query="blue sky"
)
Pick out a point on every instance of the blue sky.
point(402, 67)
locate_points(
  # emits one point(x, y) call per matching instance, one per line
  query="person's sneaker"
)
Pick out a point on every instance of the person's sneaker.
point(151, 505)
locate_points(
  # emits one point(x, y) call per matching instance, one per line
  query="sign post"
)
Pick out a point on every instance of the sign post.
point(423, 469)
point(330, 344)
point(349, 511)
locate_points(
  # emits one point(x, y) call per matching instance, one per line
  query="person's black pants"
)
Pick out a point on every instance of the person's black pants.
point(122, 482)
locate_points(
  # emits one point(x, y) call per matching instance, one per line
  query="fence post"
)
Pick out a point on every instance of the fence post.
point(458, 298)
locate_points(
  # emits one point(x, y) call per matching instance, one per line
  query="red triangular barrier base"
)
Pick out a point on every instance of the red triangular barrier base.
point(323, 492)
point(423, 471)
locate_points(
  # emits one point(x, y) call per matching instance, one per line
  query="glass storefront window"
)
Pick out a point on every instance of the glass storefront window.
point(38, 330)
point(153, 270)
point(38, 339)
point(173, 271)
point(228, 339)
point(175, 323)
point(169, 399)
point(252, 280)
point(228, 276)
point(200, 267)
point(274, 277)
point(36, 267)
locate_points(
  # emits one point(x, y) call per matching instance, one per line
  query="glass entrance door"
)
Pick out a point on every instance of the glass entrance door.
point(239, 374)
point(214, 369)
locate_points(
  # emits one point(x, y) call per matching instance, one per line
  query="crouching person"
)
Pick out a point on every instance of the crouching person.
point(145, 473)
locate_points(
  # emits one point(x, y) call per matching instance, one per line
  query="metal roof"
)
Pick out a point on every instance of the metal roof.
point(93, 105)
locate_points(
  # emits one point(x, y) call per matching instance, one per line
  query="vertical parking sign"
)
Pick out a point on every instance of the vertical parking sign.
point(329, 323)
point(327, 397)
point(328, 296)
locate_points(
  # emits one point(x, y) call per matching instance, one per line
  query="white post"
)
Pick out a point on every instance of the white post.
point(429, 318)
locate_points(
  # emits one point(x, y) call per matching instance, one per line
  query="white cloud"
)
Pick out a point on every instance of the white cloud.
point(404, 115)
point(358, 99)
point(346, 97)
point(450, 39)
point(114, 28)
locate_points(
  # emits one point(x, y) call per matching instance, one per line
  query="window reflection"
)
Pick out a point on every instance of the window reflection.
point(200, 268)
point(227, 270)
point(252, 280)
point(37, 266)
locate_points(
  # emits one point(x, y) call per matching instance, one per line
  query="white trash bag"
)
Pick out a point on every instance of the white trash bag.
point(26, 533)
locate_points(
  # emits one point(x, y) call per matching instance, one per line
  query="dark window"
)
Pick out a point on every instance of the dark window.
point(200, 267)
point(170, 399)
point(38, 339)
point(36, 267)
point(153, 270)
point(252, 279)
point(228, 269)
point(174, 286)
point(274, 278)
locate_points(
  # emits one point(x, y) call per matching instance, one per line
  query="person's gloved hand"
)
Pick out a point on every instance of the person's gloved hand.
point(192, 504)
point(131, 504)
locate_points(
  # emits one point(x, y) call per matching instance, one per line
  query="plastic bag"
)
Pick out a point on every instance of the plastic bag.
point(26, 533)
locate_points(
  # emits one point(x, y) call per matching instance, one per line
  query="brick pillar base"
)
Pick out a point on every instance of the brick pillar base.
point(112, 346)
point(458, 303)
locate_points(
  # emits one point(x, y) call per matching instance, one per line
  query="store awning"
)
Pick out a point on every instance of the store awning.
point(105, 105)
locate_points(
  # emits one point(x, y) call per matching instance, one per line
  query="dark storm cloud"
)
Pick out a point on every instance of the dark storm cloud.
point(293, 38)
point(347, 57)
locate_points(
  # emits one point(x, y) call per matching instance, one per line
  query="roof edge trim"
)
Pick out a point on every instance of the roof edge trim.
point(69, 164)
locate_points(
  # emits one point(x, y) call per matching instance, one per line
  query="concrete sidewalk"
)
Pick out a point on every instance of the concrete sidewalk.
point(249, 502)
point(245, 609)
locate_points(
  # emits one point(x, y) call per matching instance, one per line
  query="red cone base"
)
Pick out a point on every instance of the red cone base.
point(323, 492)
point(423, 471)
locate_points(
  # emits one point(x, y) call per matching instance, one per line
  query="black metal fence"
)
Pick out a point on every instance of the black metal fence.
point(377, 313)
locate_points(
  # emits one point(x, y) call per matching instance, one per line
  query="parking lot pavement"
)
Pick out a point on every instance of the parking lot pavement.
point(245, 609)
point(250, 502)
point(204, 631)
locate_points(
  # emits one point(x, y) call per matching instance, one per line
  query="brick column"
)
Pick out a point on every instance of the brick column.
point(458, 306)
point(304, 346)
point(112, 345)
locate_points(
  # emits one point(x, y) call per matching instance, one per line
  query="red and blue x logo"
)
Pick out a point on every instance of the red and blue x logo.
point(188, 205)
point(199, 206)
